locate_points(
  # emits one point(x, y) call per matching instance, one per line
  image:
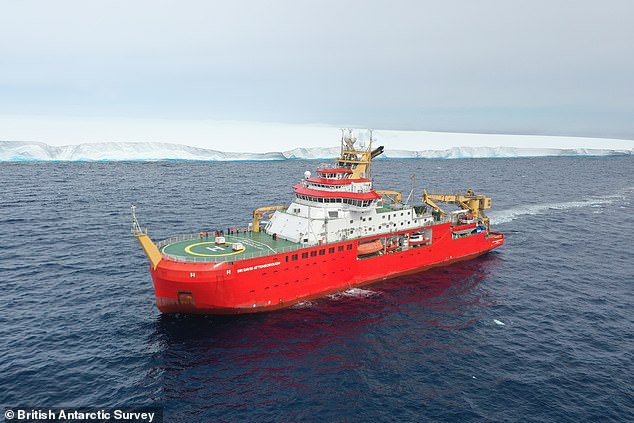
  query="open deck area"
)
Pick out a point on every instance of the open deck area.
point(193, 248)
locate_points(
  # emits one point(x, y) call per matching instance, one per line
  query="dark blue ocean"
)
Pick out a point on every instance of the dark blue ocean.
point(539, 330)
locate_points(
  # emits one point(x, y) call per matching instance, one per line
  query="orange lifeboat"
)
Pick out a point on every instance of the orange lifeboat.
point(370, 247)
point(392, 246)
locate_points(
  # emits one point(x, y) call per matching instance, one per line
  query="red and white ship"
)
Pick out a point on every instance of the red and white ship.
point(337, 233)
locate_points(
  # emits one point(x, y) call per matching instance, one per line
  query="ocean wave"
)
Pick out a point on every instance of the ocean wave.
point(509, 215)
point(303, 304)
point(354, 292)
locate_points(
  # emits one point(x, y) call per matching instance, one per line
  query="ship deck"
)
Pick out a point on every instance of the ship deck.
point(193, 248)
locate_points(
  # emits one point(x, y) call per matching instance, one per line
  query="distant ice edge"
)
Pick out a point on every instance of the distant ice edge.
point(19, 151)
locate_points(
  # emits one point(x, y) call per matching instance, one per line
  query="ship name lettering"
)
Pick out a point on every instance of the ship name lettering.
point(259, 266)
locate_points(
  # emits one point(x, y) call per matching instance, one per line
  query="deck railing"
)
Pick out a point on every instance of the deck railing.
point(219, 259)
point(176, 238)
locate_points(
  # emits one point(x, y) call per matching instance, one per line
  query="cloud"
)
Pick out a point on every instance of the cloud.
point(399, 64)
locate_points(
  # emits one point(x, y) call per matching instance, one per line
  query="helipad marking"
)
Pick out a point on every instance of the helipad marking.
point(188, 250)
point(215, 248)
point(253, 243)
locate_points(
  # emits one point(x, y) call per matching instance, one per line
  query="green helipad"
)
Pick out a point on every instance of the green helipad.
point(254, 244)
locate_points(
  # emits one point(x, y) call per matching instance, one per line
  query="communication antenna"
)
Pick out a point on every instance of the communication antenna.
point(411, 193)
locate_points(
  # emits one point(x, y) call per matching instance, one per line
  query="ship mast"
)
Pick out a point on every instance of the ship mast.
point(358, 160)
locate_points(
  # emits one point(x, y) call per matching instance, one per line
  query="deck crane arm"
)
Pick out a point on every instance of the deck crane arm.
point(475, 203)
point(260, 212)
point(427, 200)
point(393, 196)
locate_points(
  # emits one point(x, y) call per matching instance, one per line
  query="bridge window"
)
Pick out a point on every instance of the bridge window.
point(331, 250)
point(340, 248)
point(294, 257)
point(304, 255)
point(322, 252)
point(349, 247)
point(313, 253)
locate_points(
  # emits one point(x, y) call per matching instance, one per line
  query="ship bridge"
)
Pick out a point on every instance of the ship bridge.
point(340, 202)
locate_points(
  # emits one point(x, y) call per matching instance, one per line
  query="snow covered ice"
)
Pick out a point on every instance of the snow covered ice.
point(149, 151)
point(288, 142)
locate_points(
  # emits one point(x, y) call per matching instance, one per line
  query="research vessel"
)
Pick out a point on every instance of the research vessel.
point(337, 233)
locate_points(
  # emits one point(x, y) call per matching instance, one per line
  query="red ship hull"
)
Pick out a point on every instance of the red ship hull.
point(281, 280)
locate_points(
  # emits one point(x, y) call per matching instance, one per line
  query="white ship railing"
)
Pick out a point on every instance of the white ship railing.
point(222, 259)
point(177, 238)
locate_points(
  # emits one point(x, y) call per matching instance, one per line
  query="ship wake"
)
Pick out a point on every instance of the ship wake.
point(354, 292)
point(509, 215)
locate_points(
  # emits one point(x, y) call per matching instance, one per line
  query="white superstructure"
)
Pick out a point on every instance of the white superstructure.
point(340, 203)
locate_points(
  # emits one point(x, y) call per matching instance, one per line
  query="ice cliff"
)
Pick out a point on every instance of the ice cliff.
point(12, 151)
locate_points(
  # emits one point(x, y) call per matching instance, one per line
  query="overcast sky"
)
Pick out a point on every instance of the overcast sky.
point(505, 66)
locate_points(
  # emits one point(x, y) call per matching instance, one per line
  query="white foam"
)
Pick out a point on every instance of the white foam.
point(353, 292)
point(358, 292)
point(497, 322)
point(505, 216)
point(303, 304)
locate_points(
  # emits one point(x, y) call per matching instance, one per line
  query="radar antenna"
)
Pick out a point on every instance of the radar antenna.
point(349, 139)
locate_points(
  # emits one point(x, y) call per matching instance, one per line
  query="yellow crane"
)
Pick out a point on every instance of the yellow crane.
point(393, 196)
point(475, 203)
point(259, 213)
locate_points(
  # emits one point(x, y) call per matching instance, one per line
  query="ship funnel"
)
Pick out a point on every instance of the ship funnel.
point(377, 151)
